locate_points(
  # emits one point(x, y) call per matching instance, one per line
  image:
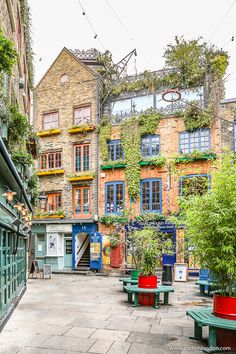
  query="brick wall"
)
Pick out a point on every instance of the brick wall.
point(54, 95)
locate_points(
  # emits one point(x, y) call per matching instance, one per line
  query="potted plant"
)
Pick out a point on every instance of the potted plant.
point(210, 222)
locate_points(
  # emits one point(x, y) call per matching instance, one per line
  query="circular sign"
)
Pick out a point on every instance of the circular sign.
point(171, 96)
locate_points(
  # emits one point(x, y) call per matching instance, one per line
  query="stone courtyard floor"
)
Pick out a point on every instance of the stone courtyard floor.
point(89, 314)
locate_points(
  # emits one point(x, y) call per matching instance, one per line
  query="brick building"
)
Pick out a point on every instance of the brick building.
point(66, 116)
point(172, 161)
point(15, 89)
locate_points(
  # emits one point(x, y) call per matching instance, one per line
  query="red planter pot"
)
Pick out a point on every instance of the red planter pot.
point(115, 257)
point(148, 282)
point(225, 307)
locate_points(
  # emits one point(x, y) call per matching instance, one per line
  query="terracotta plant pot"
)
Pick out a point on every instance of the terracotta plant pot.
point(148, 282)
point(115, 258)
point(225, 307)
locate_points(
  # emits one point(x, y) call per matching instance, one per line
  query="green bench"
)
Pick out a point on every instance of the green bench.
point(127, 281)
point(205, 317)
point(205, 285)
point(132, 289)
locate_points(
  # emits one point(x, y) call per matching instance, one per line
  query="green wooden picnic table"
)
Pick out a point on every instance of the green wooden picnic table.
point(205, 317)
point(127, 281)
point(132, 289)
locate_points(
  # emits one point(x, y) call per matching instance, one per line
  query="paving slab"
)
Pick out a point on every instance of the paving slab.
point(101, 346)
point(116, 335)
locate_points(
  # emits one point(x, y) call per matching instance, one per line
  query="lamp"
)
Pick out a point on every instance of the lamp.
point(24, 212)
point(19, 206)
point(43, 201)
point(9, 195)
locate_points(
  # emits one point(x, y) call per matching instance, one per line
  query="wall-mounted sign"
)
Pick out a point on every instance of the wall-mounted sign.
point(181, 272)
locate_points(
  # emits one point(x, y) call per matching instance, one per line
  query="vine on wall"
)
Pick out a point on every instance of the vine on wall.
point(104, 130)
point(196, 117)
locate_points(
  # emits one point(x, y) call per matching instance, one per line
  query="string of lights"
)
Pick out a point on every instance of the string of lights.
point(95, 35)
point(222, 20)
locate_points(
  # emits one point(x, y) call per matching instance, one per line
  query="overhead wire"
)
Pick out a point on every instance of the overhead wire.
point(222, 20)
point(91, 25)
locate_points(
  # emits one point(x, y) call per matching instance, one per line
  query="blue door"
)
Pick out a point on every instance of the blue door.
point(96, 250)
point(83, 229)
point(171, 235)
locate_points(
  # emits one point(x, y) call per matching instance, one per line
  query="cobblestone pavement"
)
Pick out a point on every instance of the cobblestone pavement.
point(89, 314)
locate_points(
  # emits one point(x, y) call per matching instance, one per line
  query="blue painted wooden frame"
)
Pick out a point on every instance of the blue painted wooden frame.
point(150, 137)
point(150, 194)
point(189, 142)
point(114, 183)
point(115, 143)
point(191, 176)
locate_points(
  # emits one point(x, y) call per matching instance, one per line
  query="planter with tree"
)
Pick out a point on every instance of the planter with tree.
point(210, 222)
point(115, 254)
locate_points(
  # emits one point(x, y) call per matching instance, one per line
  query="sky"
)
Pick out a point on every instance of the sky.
point(122, 25)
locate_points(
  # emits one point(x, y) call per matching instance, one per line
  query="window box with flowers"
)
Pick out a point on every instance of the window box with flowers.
point(81, 128)
point(195, 156)
point(84, 176)
point(49, 132)
point(60, 214)
point(50, 172)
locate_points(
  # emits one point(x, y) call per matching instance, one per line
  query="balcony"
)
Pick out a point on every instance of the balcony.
point(49, 132)
point(81, 129)
point(50, 172)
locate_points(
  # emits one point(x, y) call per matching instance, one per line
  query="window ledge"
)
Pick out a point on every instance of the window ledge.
point(81, 129)
point(87, 177)
point(51, 172)
point(186, 159)
point(49, 132)
point(110, 167)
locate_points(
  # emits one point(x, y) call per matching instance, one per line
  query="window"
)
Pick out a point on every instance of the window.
point(82, 158)
point(115, 194)
point(82, 115)
point(82, 201)
point(50, 120)
point(197, 140)
point(53, 201)
point(194, 185)
point(115, 151)
point(150, 146)
point(50, 160)
point(151, 195)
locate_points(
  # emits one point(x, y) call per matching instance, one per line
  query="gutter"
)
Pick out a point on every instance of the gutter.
point(14, 172)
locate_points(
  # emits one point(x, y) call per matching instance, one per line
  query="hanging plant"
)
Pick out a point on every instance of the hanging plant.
point(114, 239)
point(196, 117)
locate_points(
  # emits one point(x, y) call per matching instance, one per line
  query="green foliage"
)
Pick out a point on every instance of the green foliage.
point(33, 189)
point(146, 217)
point(131, 132)
point(51, 213)
point(114, 239)
point(104, 130)
point(113, 219)
point(194, 156)
point(23, 157)
point(19, 129)
point(8, 55)
point(147, 246)
point(157, 161)
point(26, 19)
point(210, 222)
point(196, 117)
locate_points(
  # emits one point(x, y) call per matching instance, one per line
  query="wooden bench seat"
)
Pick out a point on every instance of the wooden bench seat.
point(205, 317)
point(206, 285)
point(127, 281)
point(132, 289)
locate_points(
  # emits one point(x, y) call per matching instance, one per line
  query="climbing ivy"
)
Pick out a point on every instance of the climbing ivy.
point(8, 54)
point(196, 117)
point(131, 132)
point(104, 130)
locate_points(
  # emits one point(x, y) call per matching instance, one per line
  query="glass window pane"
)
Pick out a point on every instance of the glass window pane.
point(78, 201)
point(78, 158)
point(119, 198)
point(86, 200)
point(155, 196)
point(110, 207)
point(145, 147)
point(146, 196)
point(155, 147)
point(111, 152)
point(86, 158)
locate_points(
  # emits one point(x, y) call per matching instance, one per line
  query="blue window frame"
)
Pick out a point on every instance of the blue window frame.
point(197, 140)
point(151, 196)
point(150, 145)
point(194, 184)
point(115, 150)
point(114, 197)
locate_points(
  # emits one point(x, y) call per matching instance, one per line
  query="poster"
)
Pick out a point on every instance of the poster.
point(181, 272)
point(105, 250)
point(51, 244)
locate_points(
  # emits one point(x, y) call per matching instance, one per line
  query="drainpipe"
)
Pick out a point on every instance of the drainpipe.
point(96, 141)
